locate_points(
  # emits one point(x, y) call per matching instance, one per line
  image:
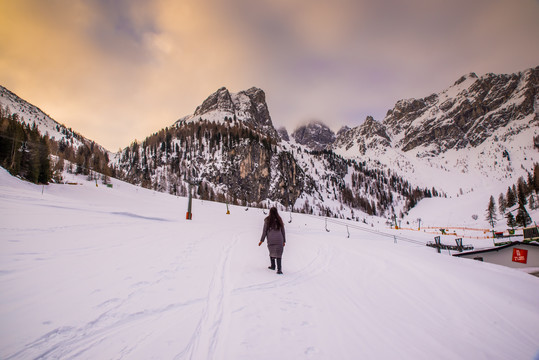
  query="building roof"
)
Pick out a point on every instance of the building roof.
point(498, 248)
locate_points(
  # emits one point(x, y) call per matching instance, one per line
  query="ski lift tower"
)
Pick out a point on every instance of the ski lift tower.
point(192, 182)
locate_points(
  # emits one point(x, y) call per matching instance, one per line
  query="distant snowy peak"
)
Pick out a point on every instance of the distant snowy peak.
point(368, 135)
point(467, 113)
point(248, 106)
point(315, 135)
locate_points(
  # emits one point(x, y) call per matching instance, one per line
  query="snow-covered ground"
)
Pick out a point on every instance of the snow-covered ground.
point(92, 272)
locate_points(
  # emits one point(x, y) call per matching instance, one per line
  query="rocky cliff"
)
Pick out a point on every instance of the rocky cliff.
point(467, 113)
point(248, 106)
point(368, 135)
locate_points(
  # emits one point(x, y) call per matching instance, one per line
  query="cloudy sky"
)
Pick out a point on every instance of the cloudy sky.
point(117, 71)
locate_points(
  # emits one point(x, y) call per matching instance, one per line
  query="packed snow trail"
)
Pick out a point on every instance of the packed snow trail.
point(118, 273)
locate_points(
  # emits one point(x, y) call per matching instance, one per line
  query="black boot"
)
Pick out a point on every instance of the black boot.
point(272, 267)
point(279, 266)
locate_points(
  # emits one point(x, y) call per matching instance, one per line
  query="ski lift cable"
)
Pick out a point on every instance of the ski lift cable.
point(376, 232)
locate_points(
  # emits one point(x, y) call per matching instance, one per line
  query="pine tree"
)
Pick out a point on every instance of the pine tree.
point(521, 192)
point(536, 177)
point(491, 212)
point(532, 202)
point(522, 218)
point(510, 197)
point(511, 221)
point(45, 172)
point(502, 205)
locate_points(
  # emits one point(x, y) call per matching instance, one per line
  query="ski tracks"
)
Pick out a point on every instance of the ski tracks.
point(114, 317)
point(319, 263)
point(208, 337)
point(71, 342)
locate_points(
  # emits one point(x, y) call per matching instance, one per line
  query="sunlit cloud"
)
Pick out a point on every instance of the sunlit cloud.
point(117, 71)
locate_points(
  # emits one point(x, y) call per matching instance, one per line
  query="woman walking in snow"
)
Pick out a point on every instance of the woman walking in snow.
point(274, 231)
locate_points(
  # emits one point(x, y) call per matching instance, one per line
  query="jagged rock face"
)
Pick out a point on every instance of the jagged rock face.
point(283, 134)
point(219, 100)
point(368, 135)
point(406, 111)
point(315, 136)
point(343, 130)
point(466, 113)
point(251, 107)
point(253, 172)
point(248, 106)
point(246, 172)
point(289, 179)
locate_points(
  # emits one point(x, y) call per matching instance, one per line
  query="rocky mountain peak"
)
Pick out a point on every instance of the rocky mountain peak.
point(369, 134)
point(315, 135)
point(343, 130)
point(463, 78)
point(250, 105)
point(219, 100)
point(247, 106)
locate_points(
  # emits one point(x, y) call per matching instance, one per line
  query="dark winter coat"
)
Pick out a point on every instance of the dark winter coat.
point(276, 240)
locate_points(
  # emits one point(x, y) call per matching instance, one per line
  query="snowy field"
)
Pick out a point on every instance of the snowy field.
point(92, 272)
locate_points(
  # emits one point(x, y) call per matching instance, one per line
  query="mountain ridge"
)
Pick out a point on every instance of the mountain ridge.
point(230, 146)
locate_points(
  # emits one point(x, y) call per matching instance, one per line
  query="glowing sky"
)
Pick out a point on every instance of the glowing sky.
point(116, 71)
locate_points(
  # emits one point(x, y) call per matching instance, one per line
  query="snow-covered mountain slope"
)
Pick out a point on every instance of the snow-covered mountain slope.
point(239, 157)
point(92, 272)
point(30, 114)
point(467, 113)
point(478, 132)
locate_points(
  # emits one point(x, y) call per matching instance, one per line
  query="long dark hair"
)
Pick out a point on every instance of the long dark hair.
point(274, 220)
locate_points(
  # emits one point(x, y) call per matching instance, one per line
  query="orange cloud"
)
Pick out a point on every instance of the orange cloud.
point(120, 70)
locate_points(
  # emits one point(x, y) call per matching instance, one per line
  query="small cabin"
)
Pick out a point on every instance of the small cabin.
point(516, 255)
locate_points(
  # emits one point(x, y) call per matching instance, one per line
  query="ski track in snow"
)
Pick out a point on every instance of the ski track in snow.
point(71, 342)
point(207, 334)
point(317, 265)
point(210, 332)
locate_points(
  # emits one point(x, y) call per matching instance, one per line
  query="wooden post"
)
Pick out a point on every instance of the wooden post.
point(189, 215)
